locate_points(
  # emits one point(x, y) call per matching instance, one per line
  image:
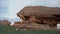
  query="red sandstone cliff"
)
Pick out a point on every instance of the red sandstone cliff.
point(43, 17)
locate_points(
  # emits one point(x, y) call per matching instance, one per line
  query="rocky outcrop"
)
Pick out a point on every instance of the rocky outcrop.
point(5, 22)
point(49, 16)
point(31, 26)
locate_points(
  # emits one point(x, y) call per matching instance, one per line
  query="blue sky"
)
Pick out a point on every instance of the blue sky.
point(9, 8)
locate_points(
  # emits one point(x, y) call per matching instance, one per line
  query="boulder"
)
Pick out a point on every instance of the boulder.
point(39, 14)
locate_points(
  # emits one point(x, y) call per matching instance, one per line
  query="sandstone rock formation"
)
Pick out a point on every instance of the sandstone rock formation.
point(31, 26)
point(49, 16)
point(5, 22)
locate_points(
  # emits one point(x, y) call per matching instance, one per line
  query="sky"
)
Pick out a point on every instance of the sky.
point(9, 8)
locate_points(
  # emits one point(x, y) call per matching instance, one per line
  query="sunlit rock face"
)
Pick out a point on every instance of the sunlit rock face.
point(40, 15)
point(5, 22)
point(39, 11)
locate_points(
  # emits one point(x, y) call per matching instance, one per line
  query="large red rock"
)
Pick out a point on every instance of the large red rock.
point(40, 14)
point(39, 17)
